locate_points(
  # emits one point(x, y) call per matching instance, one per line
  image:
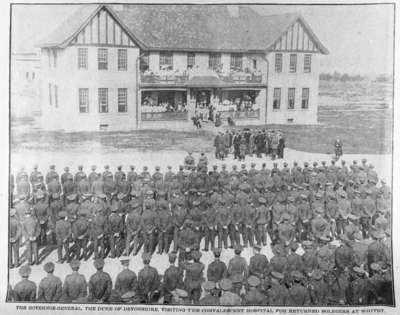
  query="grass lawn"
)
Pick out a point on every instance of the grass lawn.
point(367, 132)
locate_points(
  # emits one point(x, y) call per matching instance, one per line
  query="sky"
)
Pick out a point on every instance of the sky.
point(359, 37)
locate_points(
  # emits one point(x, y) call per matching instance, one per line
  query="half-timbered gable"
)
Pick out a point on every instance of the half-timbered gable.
point(298, 37)
point(103, 29)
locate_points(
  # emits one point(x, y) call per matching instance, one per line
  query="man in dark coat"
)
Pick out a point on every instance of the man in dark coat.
point(216, 270)
point(148, 279)
point(173, 278)
point(75, 285)
point(126, 280)
point(25, 290)
point(50, 288)
point(100, 284)
point(193, 277)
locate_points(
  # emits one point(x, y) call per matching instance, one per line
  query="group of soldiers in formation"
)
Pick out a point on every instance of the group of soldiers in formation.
point(329, 227)
point(248, 142)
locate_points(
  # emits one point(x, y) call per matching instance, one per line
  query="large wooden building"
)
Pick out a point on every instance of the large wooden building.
point(125, 67)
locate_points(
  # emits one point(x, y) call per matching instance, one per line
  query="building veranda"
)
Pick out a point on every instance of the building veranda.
point(117, 68)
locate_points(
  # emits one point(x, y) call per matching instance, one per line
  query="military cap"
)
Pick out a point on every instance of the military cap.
point(262, 200)
point(315, 163)
point(306, 164)
point(238, 247)
point(196, 202)
point(146, 257)
point(307, 244)
point(135, 193)
point(102, 196)
point(149, 192)
point(243, 166)
point(377, 234)
point(215, 167)
point(324, 239)
point(49, 267)
point(66, 168)
point(124, 259)
point(253, 281)
point(375, 267)
point(285, 216)
point(358, 270)
point(317, 274)
point(208, 285)
point(172, 257)
point(364, 160)
point(217, 252)
point(13, 212)
point(294, 246)
point(39, 195)
point(128, 295)
point(257, 246)
point(297, 275)
point(277, 275)
point(35, 166)
point(196, 255)
point(99, 263)
point(71, 197)
point(75, 263)
point(121, 196)
point(253, 164)
point(222, 201)
point(62, 214)
point(25, 271)
point(226, 284)
point(157, 168)
point(181, 293)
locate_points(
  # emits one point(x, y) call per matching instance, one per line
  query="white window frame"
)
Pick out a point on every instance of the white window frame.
point(102, 58)
point(307, 63)
point(303, 98)
point(277, 96)
point(278, 62)
point(83, 95)
point(82, 58)
point(122, 100)
point(293, 63)
point(123, 59)
point(103, 103)
point(291, 97)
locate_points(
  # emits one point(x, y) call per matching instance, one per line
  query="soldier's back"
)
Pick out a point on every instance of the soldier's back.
point(50, 289)
point(25, 291)
point(216, 271)
point(75, 286)
point(126, 281)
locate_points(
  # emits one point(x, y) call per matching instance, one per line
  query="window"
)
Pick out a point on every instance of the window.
point(122, 100)
point(55, 95)
point(166, 61)
point(214, 61)
point(33, 75)
point(82, 58)
point(122, 60)
point(50, 98)
point(291, 97)
point(83, 100)
point(293, 63)
point(278, 62)
point(254, 64)
point(276, 104)
point(144, 62)
point(54, 58)
point(307, 63)
point(305, 94)
point(191, 60)
point(102, 56)
point(236, 61)
point(103, 100)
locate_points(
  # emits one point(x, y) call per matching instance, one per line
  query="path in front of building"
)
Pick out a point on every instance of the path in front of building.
point(98, 156)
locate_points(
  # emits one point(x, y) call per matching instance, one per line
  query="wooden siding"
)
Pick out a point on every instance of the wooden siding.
point(296, 38)
point(103, 30)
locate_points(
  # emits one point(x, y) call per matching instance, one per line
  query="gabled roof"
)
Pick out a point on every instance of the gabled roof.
point(187, 27)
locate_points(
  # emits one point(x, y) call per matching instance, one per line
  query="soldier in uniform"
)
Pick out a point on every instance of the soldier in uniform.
point(31, 232)
point(193, 276)
point(259, 264)
point(217, 269)
point(42, 212)
point(189, 161)
point(75, 285)
point(133, 229)
point(100, 284)
point(359, 290)
point(63, 236)
point(211, 294)
point(173, 278)
point(116, 226)
point(98, 231)
point(50, 287)
point(15, 234)
point(237, 270)
point(344, 255)
point(126, 280)
point(93, 175)
point(148, 279)
point(318, 289)
point(227, 296)
point(298, 294)
point(79, 175)
point(80, 233)
point(25, 290)
point(263, 219)
point(253, 295)
point(278, 294)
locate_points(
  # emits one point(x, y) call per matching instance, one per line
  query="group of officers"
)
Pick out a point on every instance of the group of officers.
point(247, 142)
point(329, 227)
